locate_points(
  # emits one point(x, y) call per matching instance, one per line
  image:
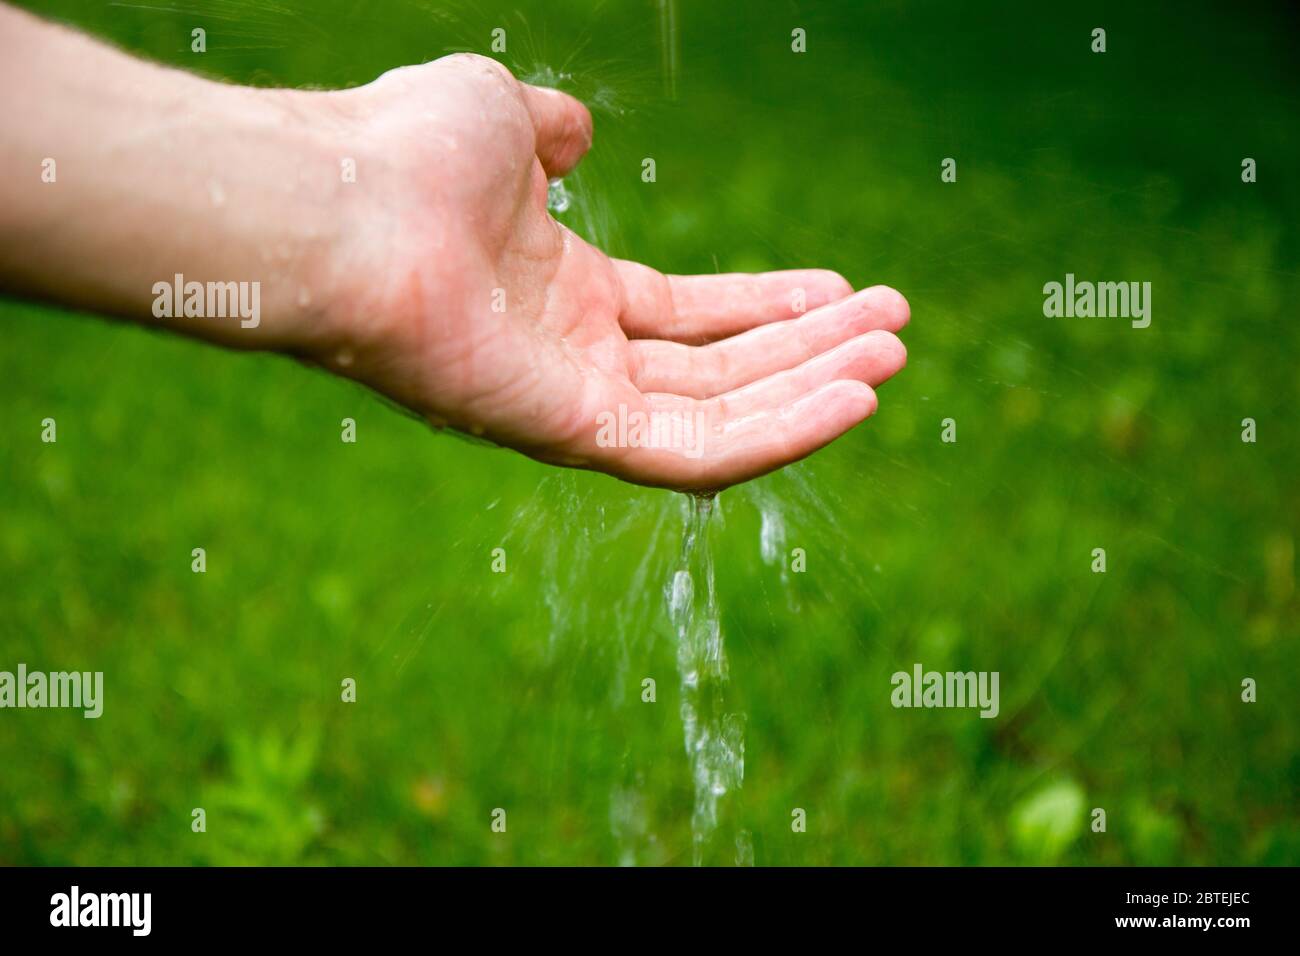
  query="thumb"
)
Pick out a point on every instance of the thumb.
point(562, 126)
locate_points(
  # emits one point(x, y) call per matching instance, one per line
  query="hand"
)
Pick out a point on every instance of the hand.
point(458, 295)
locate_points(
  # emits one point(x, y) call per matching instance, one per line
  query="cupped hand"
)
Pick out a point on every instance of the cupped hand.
point(466, 301)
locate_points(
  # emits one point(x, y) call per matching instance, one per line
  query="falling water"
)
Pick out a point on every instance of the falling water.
point(714, 739)
point(668, 45)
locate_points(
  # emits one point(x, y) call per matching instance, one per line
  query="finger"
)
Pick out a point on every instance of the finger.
point(737, 447)
point(668, 441)
point(872, 359)
point(562, 126)
point(704, 371)
point(698, 309)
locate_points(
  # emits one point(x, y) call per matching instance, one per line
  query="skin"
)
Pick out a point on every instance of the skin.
point(392, 279)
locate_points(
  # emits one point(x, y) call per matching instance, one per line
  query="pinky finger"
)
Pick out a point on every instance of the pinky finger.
point(717, 452)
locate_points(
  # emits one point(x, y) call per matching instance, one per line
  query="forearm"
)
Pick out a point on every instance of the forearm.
point(117, 176)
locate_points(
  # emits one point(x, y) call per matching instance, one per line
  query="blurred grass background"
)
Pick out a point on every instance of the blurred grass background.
point(522, 690)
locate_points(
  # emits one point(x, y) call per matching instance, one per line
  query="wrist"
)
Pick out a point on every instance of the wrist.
point(290, 212)
point(332, 290)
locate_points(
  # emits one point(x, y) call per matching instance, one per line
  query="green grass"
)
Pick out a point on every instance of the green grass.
point(522, 690)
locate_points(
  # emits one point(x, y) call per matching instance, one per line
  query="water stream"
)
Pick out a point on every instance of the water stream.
point(713, 737)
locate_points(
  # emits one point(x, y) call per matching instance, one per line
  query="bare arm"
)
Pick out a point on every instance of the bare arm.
point(118, 174)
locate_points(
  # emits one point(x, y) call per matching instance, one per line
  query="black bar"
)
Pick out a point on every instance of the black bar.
point(333, 906)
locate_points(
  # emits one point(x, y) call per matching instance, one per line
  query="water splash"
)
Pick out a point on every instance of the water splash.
point(714, 739)
point(611, 572)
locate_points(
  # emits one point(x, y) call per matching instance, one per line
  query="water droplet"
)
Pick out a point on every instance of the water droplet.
point(557, 197)
point(771, 538)
point(744, 848)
